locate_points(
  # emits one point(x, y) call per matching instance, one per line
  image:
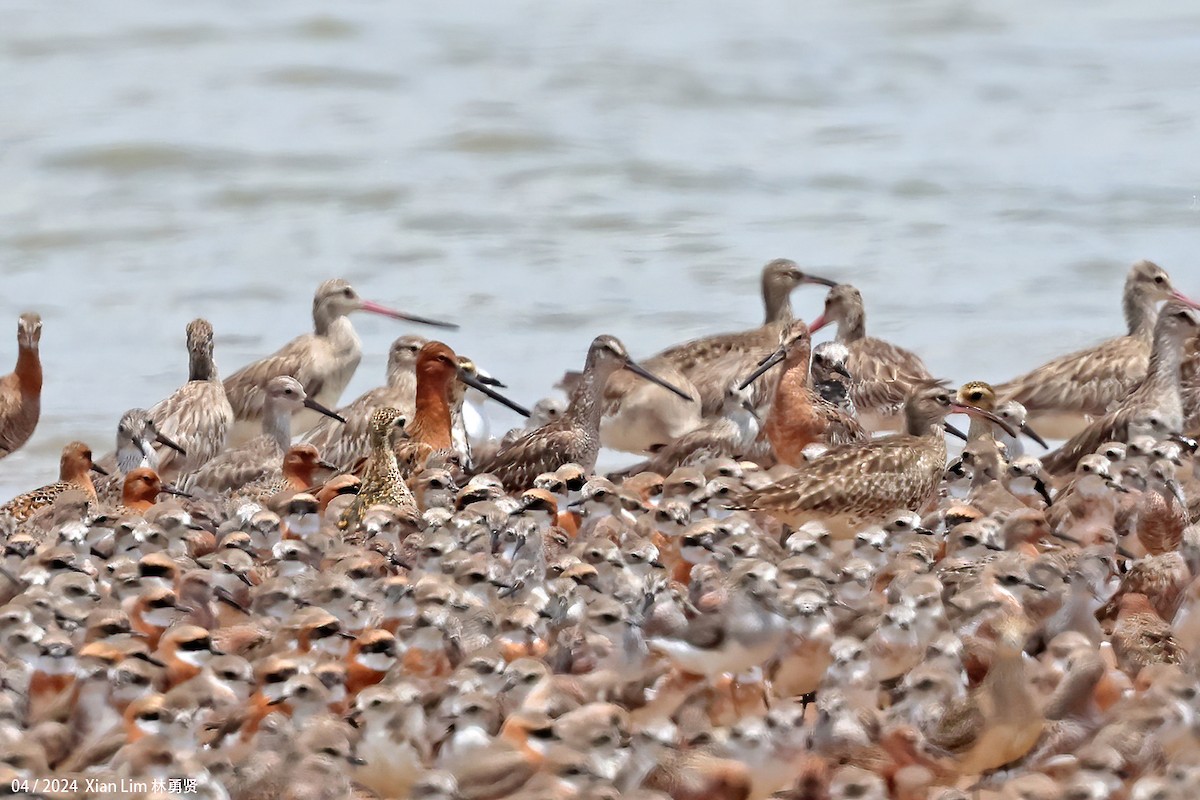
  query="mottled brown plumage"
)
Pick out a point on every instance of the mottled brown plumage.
point(382, 482)
point(882, 374)
point(74, 474)
point(261, 457)
point(323, 361)
point(575, 436)
point(1142, 638)
point(1155, 403)
point(345, 445)
point(637, 417)
point(1062, 395)
point(856, 483)
point(197, 416)
point(21, 389)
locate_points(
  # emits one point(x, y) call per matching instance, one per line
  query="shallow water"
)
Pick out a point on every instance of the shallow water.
point(542, 172)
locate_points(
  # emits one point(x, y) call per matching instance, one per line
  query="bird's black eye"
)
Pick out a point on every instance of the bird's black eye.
point(348, 292)
point(1159, 279)
point(151, 716)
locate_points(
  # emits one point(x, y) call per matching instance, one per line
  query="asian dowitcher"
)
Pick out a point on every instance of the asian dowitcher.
point(323, 361)
point(1064, 395)
point(575, 436)
point(730, 435)
point(637, 417)
point(21, 389)
point(882, 374)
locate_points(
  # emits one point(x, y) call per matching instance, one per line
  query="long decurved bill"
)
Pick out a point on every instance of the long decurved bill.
point(475, 383)
point(165, 440)
point(639, 370)
point(763, 366)
point(972, 411)
point(376, 308)
point(320, 409)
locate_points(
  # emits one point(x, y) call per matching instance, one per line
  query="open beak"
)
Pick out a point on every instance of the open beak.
point(169, 489)
point(1032, 434)
point(99, 469)
point(320, 409)
point(376, 308)
point(763, 366)
point(165, 440)
point(475, 383)
point(971, 411)
point(639, 370)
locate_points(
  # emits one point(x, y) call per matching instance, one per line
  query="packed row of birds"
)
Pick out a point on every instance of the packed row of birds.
point(794, 594)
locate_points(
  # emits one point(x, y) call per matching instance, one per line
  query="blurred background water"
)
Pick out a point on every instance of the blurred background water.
point(543, 171)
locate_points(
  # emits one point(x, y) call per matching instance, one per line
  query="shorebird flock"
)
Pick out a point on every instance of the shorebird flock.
point(798, 591)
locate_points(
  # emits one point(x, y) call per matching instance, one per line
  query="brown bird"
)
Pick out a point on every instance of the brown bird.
point(381, 482)
point(1155, 402)
point(575, 436)
point(431, 430)
point(323, 361)
point(197, 416)
point(1142, 638)
point(74, 473)
point(21, 389)
point(1000, 721)
point(882, 374)
point(1064, 395)
point(346, 444)
point(300, 465)
point(637, 417)
point(854, 484)
point(141, 490)
point(799, 416)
